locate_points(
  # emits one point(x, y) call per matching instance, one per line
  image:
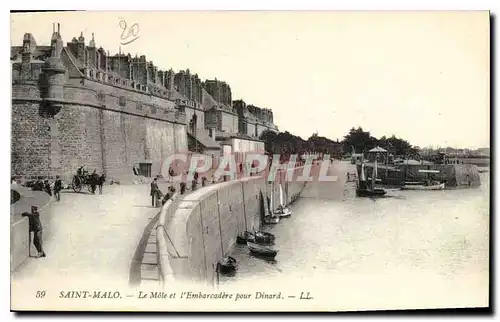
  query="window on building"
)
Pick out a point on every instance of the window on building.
point(122, 101)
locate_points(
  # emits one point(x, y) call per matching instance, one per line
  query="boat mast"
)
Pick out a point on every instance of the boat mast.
point(281, 196)
point(374, 172)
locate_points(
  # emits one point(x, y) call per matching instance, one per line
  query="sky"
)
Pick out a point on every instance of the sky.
point(422, 76)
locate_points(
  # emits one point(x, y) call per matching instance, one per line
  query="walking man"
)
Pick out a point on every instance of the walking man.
point(57, 188)
point(36, 227)
point(154, 191)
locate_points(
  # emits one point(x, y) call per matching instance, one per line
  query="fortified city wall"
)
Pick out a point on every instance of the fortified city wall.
point(204, 226)
point(75, 104)
point(100, 134)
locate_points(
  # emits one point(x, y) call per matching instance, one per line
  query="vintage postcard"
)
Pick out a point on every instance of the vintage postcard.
point(250, 160)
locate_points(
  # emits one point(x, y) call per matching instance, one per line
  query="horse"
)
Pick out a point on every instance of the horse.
point(100, 182)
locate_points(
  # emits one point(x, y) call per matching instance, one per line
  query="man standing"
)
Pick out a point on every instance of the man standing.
point(154, 191)
point(36, 227)
point(57, 188)
point(171, 174)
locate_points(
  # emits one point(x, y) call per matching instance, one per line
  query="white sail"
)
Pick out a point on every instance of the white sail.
point(271, 206)
point(363, 178)
point(281, 196)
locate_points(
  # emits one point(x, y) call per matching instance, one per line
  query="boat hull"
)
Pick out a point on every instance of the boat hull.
point(271, 220)
point(370, 193)
point(422, 187)
point(228, 265)
point(264, 238)
point(263, 251)
point(286, 213)
point(259, 237)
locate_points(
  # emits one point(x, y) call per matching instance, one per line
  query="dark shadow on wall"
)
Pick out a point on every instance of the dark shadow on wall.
point(262, 208)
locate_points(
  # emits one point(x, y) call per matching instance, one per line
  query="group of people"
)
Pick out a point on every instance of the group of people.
point(45, 185)
point(157, 196)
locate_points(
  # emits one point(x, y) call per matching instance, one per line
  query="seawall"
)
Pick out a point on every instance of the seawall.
point(203, 227)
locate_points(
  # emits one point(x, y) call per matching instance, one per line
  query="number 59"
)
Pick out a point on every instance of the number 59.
point(40, 294)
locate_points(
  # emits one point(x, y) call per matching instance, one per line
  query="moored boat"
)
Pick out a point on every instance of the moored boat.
point(258, 237)
point(271, 220)
point(261, 250)
point(243, 238)
point(367, 188)
point(440, 186)
point(227, 265)
point(269, 217)
point(262, 237)
point(284, 212)
point(281, 210)
point(370, 192)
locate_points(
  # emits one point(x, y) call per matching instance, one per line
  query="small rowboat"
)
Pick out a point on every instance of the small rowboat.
point(227, 265)
point(284, 212)
point(261, 250)
point(271, 219)
point(259, 237)
point(262, 237)
point(423, 187)
point(370, 192)
point(243, 238)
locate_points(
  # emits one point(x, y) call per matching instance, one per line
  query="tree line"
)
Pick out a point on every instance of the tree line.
point(356, 141)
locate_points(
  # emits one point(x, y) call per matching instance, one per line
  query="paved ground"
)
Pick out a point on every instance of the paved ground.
point(91, 236)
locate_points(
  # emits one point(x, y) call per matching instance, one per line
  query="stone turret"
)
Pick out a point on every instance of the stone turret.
point(29, 46)
point(55, 72)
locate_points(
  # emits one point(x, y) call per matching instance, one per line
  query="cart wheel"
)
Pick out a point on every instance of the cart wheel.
point(76, 184)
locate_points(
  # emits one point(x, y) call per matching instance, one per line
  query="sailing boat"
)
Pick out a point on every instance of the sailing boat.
point(366, 188)
point(281, 210)
point(269, 218)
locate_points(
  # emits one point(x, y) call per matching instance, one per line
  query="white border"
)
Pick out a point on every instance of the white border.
point(182, 5)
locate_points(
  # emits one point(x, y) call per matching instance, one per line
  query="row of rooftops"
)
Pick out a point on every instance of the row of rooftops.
point(39, 54)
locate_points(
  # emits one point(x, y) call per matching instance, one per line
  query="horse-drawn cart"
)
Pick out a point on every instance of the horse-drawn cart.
point(79, 182)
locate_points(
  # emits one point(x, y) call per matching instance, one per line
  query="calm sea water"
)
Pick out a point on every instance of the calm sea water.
point(444, 234)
